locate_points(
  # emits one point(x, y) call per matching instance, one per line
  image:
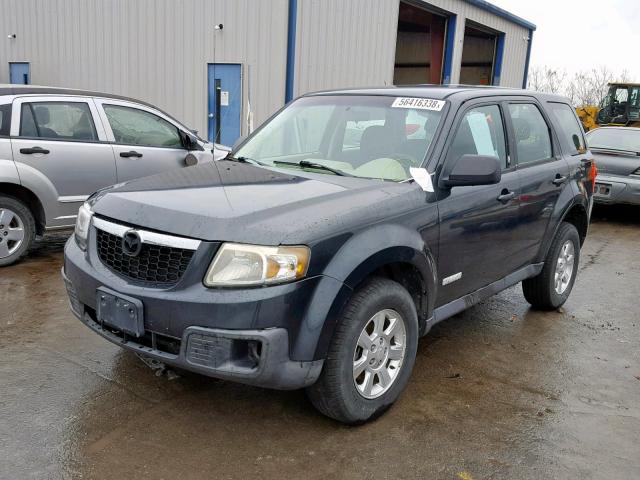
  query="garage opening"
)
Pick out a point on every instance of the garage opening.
point(480, 62)
point(419, 46)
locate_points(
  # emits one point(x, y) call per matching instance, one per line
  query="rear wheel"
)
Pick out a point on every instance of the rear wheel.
point(17, 230)
point(371, 354)
point(551, 287)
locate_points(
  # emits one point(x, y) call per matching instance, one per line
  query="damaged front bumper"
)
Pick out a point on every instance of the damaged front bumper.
point(245, 337)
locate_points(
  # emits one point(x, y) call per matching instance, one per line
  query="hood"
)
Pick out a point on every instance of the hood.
point(612, 163)
point(233, 201)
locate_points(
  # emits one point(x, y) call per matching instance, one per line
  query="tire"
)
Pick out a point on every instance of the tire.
point(336, 393)
point(15, 217)
point(541, 291)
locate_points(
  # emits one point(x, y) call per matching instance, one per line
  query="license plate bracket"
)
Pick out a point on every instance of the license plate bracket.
point(120, 311)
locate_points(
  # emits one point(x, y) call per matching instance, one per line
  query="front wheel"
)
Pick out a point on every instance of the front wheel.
point(371, 354)
point(17, 230)
point(551, 287)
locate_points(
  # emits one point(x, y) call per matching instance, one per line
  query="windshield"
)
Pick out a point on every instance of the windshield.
point(615, 139)
point(363, 136)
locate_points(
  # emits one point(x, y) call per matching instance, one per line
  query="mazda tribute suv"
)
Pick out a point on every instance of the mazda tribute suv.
point(335, 236)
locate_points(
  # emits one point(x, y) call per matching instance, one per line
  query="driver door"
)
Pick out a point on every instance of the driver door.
point(145, 141)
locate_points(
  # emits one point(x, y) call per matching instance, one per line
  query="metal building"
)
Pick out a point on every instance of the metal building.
point(224, 66)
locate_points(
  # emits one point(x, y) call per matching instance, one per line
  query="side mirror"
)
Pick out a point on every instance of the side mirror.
point(474, 170)
point(237, 143)
point(190, 160)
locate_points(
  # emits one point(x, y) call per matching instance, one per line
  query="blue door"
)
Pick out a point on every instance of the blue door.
point(225, 102)
point(19, 72)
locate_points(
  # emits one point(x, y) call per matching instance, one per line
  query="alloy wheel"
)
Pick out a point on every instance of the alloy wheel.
point(564, 267)
point(379, 353)
point(11, 232)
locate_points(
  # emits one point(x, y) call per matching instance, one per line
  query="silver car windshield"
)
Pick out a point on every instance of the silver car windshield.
point(626, 139)
point(363, 136)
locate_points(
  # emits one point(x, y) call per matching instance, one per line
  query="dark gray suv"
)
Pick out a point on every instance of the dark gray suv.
point(335, 236)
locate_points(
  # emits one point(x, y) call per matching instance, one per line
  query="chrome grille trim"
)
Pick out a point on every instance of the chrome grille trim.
point(146, 236)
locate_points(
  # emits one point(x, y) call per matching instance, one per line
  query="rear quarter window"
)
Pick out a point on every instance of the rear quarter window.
point(570, 129)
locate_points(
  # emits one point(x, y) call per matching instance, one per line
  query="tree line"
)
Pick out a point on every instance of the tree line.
point(586, 87)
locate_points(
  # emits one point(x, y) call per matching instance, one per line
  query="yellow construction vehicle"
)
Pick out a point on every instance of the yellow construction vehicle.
point(588, 116)
point(621, 107)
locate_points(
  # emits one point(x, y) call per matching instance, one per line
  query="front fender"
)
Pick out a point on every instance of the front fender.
point(361, 255)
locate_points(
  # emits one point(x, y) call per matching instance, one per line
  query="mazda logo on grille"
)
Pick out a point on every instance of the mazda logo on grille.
point(131, 243)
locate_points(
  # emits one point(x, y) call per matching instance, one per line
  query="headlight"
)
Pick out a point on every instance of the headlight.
point(249, 265)
point(82, 225)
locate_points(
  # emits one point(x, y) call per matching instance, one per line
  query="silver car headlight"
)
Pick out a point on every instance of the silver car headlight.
point(82, 225)
point(238, 265)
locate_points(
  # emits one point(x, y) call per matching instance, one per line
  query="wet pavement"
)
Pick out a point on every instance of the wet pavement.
point(499, 391)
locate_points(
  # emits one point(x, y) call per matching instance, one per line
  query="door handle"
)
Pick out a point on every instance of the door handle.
point(559, 180)
point(32, 150)
point(506, 195)
point(131, 153)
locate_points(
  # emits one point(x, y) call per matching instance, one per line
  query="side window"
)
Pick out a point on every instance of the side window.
point(137, 127)
point(533, 141)
point(481, 132)
point(5, 119)
point(70, 121)
point(570, 128)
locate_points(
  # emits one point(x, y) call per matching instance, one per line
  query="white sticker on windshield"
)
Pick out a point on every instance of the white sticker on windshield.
point(419, 103)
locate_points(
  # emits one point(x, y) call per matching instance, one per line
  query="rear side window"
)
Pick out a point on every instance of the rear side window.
point(570, 128)
point(69, 121)
point(533, 141)
point(481, 132)
point(132, 126)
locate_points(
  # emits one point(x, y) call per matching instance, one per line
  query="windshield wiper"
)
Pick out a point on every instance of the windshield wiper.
point(319, 166)
point(245, 160)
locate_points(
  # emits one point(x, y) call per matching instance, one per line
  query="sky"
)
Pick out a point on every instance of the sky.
point(576, 35)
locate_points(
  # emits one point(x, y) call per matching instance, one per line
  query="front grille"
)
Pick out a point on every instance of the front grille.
point(155, 264)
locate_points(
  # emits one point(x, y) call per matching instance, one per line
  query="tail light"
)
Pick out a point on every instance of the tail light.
point(592, 174)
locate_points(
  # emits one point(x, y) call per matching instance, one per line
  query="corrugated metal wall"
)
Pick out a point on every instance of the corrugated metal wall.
point(352, 43)
point(158, 50)
point(155, 50)
point(345, 43)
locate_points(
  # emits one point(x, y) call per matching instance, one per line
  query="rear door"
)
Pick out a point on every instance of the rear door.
point(477, 222)
point(60, 141)
point(542, 169)
point(145, 141)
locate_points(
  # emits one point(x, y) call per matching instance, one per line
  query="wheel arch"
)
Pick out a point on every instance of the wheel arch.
point(393, 252)
point(575, 214)
point(30, 199)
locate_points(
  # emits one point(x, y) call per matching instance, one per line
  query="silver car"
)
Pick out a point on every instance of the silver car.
point(617, 153)
point(57, 146)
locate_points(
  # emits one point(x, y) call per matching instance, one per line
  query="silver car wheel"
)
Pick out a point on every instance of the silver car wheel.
point(379, 353)
point(11, 232)
point(564, 267)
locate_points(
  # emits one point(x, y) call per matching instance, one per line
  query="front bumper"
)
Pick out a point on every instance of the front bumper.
point(263, 336)
point(612, 189)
